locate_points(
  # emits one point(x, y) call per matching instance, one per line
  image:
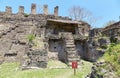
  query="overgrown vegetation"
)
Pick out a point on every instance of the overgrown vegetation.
point(112, 56)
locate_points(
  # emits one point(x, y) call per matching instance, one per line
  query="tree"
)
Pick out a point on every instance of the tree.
point(79, 13)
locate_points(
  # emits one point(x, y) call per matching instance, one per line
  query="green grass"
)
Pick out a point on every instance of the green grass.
point(11, 70)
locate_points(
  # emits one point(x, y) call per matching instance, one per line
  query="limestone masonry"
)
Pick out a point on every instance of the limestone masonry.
point(32, 39)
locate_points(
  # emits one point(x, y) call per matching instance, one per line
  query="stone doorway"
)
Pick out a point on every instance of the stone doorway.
point(56, 49)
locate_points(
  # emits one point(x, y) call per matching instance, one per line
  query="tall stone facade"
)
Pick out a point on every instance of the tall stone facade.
point(16, 31)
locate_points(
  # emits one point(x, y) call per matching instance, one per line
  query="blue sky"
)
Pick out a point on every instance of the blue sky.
point(105, 9)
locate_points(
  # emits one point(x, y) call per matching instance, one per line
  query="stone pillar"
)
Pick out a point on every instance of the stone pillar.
point(56, 11)
point(8, 10)
point(33, 9)
point(21, 10)
point(46, 9)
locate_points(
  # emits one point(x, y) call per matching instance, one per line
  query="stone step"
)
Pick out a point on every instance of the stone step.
point(70, 46)
point(72, 56)
point(71, 51)
point(72, 40)
point(69, 43)
point(69, 40)
point(73, 59)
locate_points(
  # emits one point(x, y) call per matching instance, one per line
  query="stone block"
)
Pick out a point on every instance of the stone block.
point(33, 9)
point(56, 11)
point(8, 10)
point(21, 10)
point(45, 9)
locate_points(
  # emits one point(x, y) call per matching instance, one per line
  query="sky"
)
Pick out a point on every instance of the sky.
point(106, 10)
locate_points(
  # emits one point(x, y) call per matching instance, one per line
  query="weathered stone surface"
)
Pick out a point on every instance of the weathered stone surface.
point(104, 41)
point(53, 56)
point(35, 58)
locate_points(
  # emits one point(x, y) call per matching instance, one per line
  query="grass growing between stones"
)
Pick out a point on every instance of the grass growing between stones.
point(56, 69)
point(112, 56)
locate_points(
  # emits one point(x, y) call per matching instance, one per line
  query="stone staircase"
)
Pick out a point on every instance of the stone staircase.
point(70, 48)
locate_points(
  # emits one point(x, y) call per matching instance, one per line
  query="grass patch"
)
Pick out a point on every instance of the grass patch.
point(10, 70)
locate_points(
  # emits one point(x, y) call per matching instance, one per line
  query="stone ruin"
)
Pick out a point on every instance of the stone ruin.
point(58, 37)
point(113, 32)
point(99, 38)
point(66, 39)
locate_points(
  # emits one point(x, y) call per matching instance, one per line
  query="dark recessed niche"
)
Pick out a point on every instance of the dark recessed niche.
point(10, 54)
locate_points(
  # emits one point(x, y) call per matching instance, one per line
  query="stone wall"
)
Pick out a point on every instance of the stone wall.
point(35, 58)
point(15, 29)
point(96, 48)
point(113, 32)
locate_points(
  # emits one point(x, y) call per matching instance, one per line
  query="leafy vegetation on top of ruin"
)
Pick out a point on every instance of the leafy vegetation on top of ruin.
point(112, 56)
point(26, 15)
point(56, 69)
